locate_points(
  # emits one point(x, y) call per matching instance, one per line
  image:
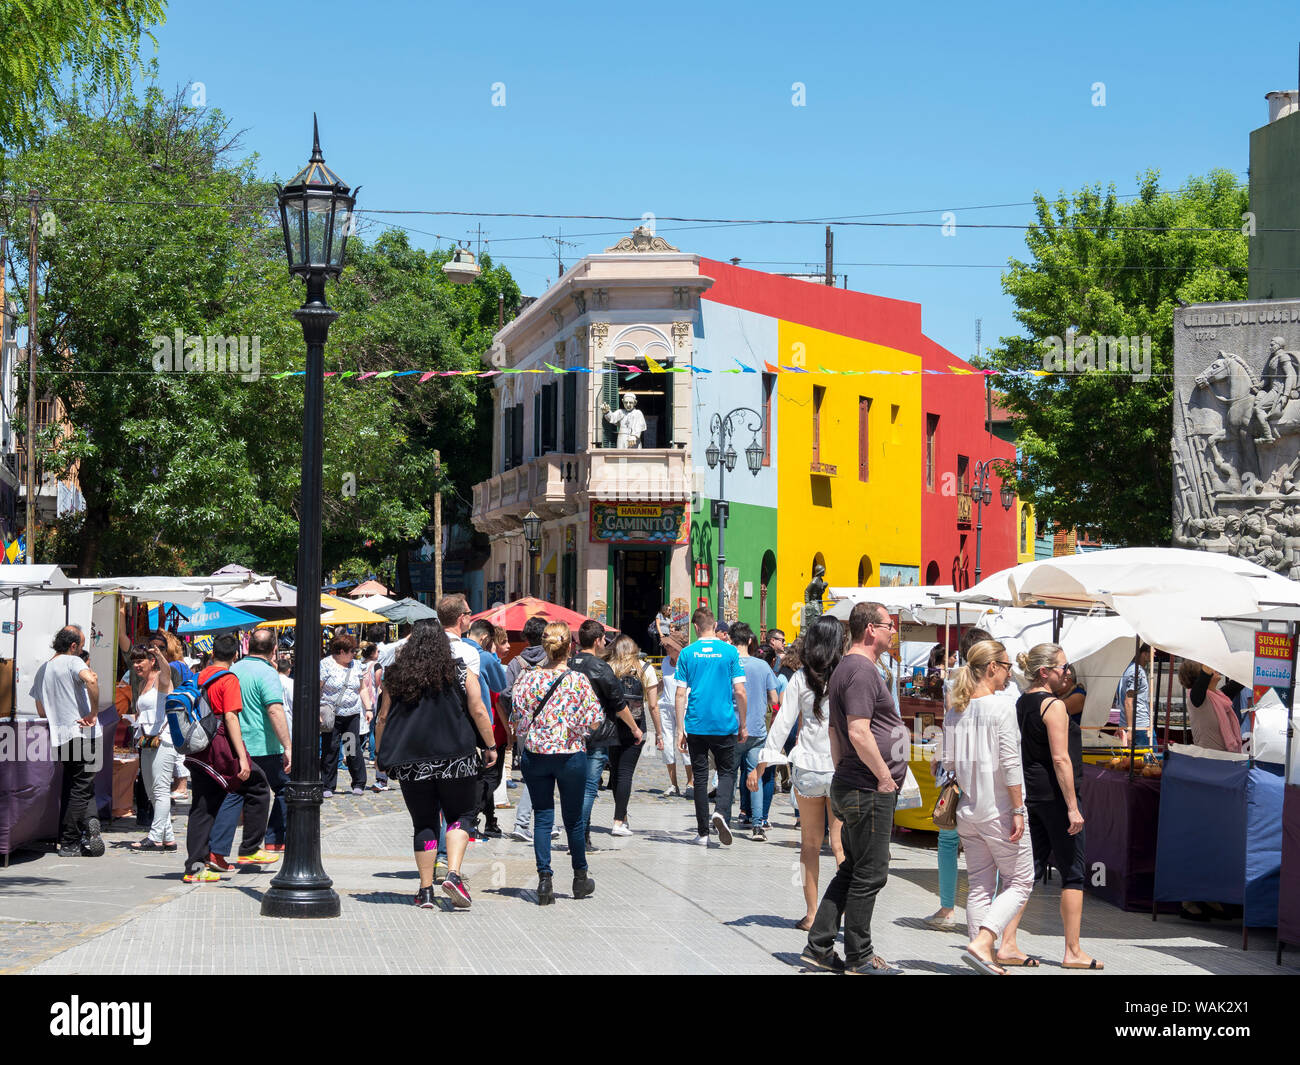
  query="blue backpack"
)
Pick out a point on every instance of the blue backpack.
point(189, 714)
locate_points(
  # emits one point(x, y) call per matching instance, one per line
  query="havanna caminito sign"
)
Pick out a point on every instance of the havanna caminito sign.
point(639, 523)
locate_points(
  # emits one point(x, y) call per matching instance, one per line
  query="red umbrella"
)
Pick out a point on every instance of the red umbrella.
point(512, 616)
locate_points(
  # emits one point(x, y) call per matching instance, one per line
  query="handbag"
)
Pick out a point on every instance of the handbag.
point(944, 814)
point(909, 795)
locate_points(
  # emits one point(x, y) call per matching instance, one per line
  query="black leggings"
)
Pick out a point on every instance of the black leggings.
point(622, 764)
point(455, 800)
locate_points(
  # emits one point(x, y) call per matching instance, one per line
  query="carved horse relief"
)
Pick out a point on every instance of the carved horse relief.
point(1241, 422)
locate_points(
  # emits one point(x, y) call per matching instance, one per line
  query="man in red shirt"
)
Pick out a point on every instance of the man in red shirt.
point(223, 768)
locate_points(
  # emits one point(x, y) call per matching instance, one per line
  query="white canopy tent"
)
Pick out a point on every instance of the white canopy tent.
point(1165, 595)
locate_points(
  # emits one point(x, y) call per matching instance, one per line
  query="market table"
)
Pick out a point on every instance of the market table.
point(1121, 817)
point(1288, 907)
point(29, 787)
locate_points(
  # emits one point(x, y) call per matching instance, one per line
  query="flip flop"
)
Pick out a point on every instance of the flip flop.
point(1093, 965)
point(1027, 962)
point(803, 924)
point(981, 966)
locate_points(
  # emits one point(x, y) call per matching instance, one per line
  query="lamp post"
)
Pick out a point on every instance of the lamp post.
point(533, 537)
point(984, 494)
point(721, 455)
point(316, 214)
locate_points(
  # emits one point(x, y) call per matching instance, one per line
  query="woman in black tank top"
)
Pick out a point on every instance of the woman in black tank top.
point(1051, 751)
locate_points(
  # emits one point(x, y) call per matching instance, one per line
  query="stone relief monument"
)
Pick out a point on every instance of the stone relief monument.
point(1236, 442)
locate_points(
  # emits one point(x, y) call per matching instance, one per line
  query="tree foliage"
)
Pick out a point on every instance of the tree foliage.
point(1095, 446)
point(96, 40)
point(154, 231)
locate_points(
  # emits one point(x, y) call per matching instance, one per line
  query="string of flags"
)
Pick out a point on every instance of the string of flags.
point(652, 366)
point(15, 551)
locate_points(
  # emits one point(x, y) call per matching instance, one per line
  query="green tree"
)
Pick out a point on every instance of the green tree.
point(98, 41)
point(1095, 446)
point(188, 470)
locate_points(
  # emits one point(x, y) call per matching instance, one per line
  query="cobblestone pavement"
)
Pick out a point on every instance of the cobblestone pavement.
point(661, 905)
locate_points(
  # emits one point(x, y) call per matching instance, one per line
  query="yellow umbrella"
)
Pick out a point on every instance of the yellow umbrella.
point(334, 611)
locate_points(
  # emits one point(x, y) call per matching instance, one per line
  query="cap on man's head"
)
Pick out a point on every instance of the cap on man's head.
point(723, 628)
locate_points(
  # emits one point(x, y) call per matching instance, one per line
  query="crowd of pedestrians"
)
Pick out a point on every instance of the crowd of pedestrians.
point(439, 715)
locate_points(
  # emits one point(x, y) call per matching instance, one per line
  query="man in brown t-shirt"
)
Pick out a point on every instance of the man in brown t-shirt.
point(869, 745)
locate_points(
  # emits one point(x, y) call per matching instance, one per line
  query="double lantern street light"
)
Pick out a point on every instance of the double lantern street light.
point(721, 455)
point(984, 496)
point(316, 213)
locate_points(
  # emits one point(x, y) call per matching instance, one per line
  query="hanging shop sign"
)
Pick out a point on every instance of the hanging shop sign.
point(1272, 660)
point(639, 523)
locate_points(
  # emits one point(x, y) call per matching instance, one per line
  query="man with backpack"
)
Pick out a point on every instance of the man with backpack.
point(224, 767)
point(264, 728)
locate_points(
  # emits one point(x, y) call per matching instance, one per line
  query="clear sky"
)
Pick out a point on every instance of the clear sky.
point(687, 109)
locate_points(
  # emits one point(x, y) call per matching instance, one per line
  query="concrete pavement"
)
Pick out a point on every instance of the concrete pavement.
point(661, 905)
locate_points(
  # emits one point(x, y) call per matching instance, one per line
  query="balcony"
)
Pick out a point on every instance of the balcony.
point(965, 505)
point(556, 485)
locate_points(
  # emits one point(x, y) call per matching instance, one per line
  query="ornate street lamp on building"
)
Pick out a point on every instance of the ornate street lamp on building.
point(721, 448)
point(533, 537)
point(983, 495)
point(316, 214)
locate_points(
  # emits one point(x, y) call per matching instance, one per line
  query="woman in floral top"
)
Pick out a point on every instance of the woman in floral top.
point(554, 709)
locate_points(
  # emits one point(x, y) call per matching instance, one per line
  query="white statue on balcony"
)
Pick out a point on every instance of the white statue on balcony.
point(630, 421)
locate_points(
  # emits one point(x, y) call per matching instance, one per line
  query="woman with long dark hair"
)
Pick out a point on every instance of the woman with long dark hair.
point(434, 740)
point(554, 709)
point(804, 703)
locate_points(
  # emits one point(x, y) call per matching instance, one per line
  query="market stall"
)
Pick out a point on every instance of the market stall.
point(1220, 832)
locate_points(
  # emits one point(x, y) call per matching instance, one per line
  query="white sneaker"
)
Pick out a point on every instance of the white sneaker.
point(555, 833)
point(522, 835)
point(621, 829)
point(701, 841)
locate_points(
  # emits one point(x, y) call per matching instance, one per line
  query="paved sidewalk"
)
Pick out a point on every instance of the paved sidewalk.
point(661, 905)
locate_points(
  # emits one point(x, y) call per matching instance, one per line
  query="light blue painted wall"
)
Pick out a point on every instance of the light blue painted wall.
point(722, 335)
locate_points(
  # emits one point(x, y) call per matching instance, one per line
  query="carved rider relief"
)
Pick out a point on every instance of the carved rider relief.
point(1236, 444)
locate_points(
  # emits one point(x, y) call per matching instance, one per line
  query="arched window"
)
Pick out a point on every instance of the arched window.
point(865, 571)
point(932, 574)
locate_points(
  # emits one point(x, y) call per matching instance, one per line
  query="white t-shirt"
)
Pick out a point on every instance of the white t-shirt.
point(286, 682)
point(466, 652)
point(58, 687)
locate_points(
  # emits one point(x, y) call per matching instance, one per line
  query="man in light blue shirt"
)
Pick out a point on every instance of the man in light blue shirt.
point(1132, 698)
point(760, 700)
point(711, 707)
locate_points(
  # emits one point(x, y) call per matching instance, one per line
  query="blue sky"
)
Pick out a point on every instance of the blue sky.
point(686, 109)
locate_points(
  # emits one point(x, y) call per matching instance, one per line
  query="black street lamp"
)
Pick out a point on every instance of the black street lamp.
point(316, 214)
point(984, 495)
point(533, 537)
point(723, 449)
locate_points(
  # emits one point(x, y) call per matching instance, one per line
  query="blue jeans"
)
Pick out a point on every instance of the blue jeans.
point(542, 773)
point(1141, 738)
point(597, 760)
point(222, 839)
point(948, 847)
point(749, 752)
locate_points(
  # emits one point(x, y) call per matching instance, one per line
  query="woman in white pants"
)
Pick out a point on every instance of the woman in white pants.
point(151, 683)
point(982, 747)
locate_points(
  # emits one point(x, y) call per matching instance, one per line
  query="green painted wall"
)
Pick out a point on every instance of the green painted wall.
point(751, 531)
point(1275, 203)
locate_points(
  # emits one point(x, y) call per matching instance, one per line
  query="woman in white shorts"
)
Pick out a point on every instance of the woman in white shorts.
point(812, 768)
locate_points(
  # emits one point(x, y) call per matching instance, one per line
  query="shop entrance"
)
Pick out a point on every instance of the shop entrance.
point(637, 579)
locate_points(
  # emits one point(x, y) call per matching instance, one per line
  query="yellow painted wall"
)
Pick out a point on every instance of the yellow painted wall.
point(1025, 547)
point(880, 518)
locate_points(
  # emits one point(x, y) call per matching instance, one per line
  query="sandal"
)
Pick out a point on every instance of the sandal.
point(804, 924)
point(152, 845)
point(988, 968)
point(1092, 966)
point(1029, 961)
